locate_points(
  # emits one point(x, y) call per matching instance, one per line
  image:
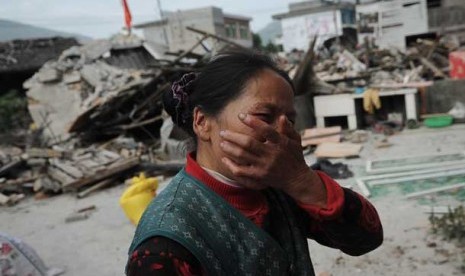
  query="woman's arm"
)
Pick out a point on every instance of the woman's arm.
point(273, 157)
point(163, 256)
point(348, 222)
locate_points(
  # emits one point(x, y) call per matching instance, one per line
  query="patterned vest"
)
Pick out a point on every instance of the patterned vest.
point(223, 240)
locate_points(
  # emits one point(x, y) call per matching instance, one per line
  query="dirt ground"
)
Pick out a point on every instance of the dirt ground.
point(98, 245)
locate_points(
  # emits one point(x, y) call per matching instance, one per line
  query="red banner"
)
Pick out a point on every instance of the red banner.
point(127, 15)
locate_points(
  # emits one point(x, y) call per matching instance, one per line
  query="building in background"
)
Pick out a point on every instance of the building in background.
point(21, 58)
point(447, 17)
point(389, 23)
point(170, 33)
point(325, 19)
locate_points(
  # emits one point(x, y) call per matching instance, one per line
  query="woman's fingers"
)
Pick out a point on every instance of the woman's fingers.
point(286, 128)
point(246, 142)
point(238, 153)
point(244, 172)
point(261, 128)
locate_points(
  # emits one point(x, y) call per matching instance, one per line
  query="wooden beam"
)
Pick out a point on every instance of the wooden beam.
point(215, 37)
point(432, 67)
point(96, 187)
point(140, 124)
point(185, 53)
point(114, 170)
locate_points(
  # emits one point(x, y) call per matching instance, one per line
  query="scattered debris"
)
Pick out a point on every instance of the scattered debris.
point(316, 136)
point(76, 217)
point(81, 214)
point(337, 150)
point(335, 170)
point(97, 115)
point(383, 143)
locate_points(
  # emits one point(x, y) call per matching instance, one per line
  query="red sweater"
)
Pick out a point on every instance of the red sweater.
point(349, 223)
point(253, 204)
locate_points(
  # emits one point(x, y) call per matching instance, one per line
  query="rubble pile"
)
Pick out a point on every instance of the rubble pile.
point(425, 60)
point(97, 116)
point(86, 93)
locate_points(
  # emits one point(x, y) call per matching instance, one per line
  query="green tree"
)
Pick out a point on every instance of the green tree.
point(13, 111)
point(271, 48)
point(257, 41)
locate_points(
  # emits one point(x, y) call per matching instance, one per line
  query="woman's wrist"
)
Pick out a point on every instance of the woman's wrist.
point(307, 188)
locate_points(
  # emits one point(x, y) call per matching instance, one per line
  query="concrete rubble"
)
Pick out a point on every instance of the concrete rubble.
point(97, 117)
point(424, 61)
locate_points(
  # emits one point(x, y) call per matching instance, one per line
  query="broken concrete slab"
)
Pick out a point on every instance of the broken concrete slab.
point(72, 77)
point(53, 107)
point(48, 75)
point(95, 49)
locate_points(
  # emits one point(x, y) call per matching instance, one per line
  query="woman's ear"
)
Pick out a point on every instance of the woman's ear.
point(201, 125)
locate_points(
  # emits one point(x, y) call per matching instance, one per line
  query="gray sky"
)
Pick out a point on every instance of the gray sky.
point(102, 18)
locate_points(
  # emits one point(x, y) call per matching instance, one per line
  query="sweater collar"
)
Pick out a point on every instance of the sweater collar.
point(239, 197)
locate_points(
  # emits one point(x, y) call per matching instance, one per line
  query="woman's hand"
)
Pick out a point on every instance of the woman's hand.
point(272, 158)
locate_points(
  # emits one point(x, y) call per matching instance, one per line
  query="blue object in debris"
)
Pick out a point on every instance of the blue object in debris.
point(359, 90)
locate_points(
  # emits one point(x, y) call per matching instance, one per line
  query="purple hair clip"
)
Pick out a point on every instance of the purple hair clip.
point(181, 90)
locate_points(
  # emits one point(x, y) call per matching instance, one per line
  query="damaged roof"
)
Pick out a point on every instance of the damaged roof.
point(31, 54)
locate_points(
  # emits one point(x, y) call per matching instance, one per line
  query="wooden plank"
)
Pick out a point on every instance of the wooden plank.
point(432, 67)
point(185, 53)
point(215, 37)
point(59, 175)
point(337, 150)
point(305, 70)
point(67, 168)
point(141, 124)
point(43, 153)
point(115, 169)
point(96, 187)
point(435, 190)
point(316, 136)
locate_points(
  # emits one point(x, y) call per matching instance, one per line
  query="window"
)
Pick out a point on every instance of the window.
point(233, 31)
point(434, 3)
point(244, 32)
point(230, 31)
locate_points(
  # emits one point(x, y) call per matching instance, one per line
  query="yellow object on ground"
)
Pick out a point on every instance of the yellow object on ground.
point(137, 197)
point(371, 100)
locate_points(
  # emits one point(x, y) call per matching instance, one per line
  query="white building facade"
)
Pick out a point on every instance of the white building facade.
point(389, 23)
point(305, 20)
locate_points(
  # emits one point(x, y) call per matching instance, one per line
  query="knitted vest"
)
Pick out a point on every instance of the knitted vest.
point(223, 240)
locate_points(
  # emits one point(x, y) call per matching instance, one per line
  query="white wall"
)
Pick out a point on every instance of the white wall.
point(299, 31)
point(395, 21)
point(155, 34)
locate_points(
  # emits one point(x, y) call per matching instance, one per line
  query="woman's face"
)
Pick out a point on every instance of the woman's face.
point(266, 96)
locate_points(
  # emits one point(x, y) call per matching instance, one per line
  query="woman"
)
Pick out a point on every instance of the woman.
point(246, 202)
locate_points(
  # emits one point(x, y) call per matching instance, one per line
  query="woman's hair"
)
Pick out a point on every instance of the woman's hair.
point(219, 82)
